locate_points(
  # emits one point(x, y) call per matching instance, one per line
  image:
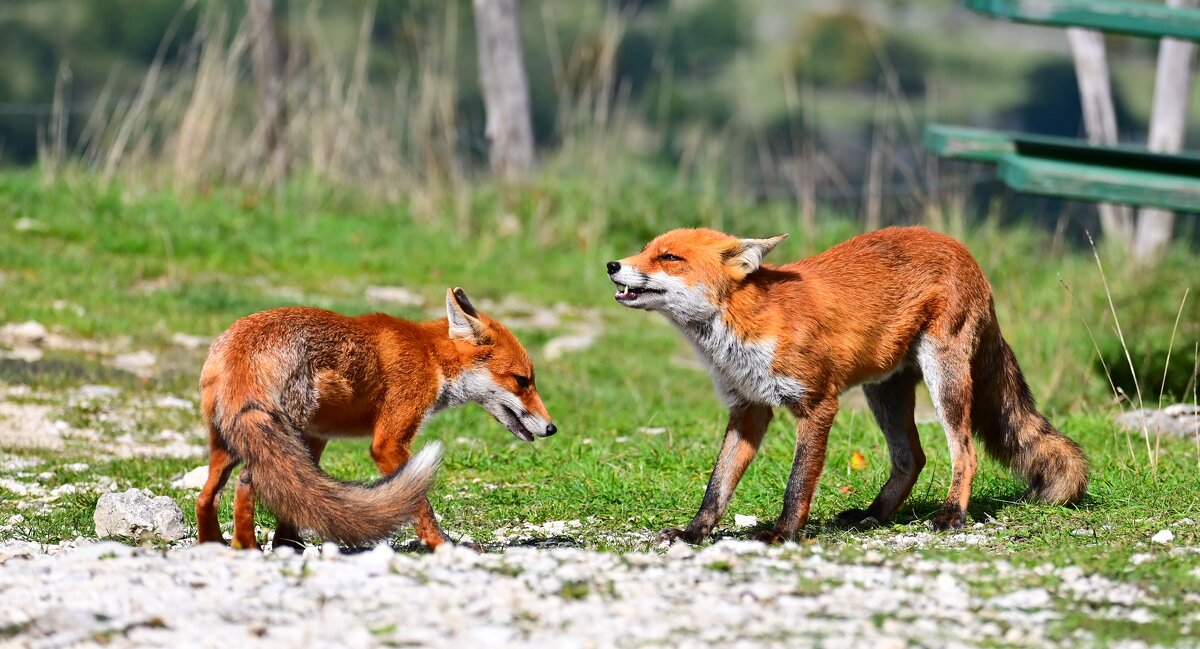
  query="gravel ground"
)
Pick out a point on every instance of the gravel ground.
point(733, 593)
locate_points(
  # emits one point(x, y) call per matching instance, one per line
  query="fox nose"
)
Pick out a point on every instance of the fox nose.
point(551, 429)
point(613, 266)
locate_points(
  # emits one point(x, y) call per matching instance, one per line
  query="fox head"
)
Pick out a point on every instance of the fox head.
point(686, 274)
point(497, 372)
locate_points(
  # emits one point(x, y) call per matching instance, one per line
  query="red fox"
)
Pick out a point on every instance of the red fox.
point(883, 310)
point(279, 384)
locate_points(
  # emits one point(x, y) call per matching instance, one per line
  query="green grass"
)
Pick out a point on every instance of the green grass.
point(145, 266)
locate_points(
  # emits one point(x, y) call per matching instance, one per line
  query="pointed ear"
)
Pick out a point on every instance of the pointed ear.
point(747, 255)
point(464, 319)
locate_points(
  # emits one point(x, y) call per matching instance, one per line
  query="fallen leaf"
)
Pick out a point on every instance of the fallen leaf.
point(858, 461)
point(847, 490)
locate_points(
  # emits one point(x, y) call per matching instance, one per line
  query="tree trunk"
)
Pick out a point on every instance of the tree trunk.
point(1099, 116)
point(1172, 89)
point(268, 76)
point(505, 87)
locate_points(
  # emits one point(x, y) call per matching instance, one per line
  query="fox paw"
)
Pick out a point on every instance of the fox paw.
point(858, 518)
point(950, 518)
point(772, 536)
point(671, 535)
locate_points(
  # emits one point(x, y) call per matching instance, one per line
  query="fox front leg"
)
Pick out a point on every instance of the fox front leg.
point(814, 418)
point(747, 424)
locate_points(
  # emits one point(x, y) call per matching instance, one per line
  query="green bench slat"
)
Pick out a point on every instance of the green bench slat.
point(991, 146)
point(1115, 16)
point(1100, 184)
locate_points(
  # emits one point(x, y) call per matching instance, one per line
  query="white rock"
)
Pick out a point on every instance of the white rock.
point(652, 430)
point(97, 392)
point(136, 516)
point(1030, 598)
point(556, 347)
point(394, 295)
point(188, 341)
point(1163, 536)
point(742, 521)
point(27, 354)
point(1083, 532)
point(142, 363)
point(170, 401)
point(22, 334)
point(192, 480)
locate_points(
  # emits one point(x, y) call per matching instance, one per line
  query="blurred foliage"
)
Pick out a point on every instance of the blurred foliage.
point(1162, 355)
point(675, 66)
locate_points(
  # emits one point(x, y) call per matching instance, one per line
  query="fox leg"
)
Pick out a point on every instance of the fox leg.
point(243, 512)
point(814, 419)
point(892, 402)
point(286, 534)
point(390, 450)
point(220, 464)
point(743, 434)
point(948, 376)
point(388, 458)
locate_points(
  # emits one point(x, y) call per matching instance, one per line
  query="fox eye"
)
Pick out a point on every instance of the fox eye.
point(522, 381)
point(669, 257)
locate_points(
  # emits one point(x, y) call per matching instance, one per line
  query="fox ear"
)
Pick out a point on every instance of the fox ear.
point(746, 256)
point(464, 319)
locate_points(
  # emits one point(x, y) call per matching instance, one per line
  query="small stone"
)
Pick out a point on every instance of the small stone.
point(1163, 536)
point(170, 401)
point(16, 519)
point(22, 334)
point(192, 480)
point(1030, 598)
point(137, 516)
point(652, 430)
point(188, 341)
point(1140, 558)
point(1083, 532)
point(742, 521)
point(142, 363)
point(97, 392)
point(556, 347)
point(394, 295)
point(680, 550)
point(26, 224)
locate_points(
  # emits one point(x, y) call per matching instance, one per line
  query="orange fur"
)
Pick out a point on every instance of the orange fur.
point(279, 383)
point(883, 309)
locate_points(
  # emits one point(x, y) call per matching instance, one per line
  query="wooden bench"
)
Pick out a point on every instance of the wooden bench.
point(1072, 168)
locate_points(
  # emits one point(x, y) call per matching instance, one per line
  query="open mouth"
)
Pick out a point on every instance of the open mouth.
point(628, 294)
point(514, 425)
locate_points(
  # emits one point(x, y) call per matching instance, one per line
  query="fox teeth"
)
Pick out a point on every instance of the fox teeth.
point(624, 288)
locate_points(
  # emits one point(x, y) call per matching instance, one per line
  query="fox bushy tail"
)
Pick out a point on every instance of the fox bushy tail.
point(287, 479)
point(1005, 417)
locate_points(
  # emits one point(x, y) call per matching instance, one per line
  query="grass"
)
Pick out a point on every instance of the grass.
point(147, 266)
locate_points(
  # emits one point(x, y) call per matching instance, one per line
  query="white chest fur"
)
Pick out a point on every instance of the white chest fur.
point(741, 370)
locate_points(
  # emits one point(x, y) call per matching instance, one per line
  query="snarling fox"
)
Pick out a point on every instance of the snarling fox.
point(279, 384)
point(884, 310)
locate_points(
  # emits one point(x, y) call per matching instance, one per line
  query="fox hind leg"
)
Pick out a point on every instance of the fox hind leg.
point(243, 512)
point(220, 464)
point(892, 402)
point(947, 374)
point(286, 534)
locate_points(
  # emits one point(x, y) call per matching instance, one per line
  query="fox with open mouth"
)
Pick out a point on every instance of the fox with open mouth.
point(884, 310)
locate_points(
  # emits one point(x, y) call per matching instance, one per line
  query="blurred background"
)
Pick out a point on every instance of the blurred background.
point(820, 103)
